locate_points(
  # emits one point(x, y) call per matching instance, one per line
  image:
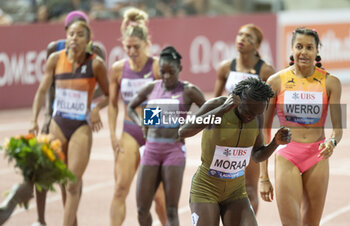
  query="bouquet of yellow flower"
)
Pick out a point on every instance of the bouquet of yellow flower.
point(40, 159)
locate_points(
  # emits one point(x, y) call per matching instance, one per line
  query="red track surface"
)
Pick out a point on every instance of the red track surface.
point(98, 180)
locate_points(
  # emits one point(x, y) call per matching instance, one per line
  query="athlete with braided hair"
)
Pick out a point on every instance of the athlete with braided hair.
point(218, 187)
point(303, 92)
point(164, 156)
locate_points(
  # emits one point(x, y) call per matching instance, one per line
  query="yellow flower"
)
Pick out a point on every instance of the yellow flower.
point(49, 153)
point(56, 146)
point(44, 138)
point(51, 156)
point(6, 143)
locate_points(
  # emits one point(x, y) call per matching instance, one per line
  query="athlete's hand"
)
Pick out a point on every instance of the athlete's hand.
point(24, 192)
point(266, 189)
point(283, 136)
point(95, 120)
point(231, 102)
point(116, 147)
point(46, 126)
point(326, 149)
point(34, 128)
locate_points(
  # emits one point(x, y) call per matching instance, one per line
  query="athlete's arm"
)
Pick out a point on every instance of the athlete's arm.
point(265, 185)
point(266, 71)
point(98, 50)
point(216, 107)
point(283, 136)
point(192, 94)
point(50, 96)
point(137, 100)
point(114, 86)
point(222, 74)
point(155, 68)
point(274, 82)
point(51, 48)
point(261, 152)
point(42, 90)
point(333, 87)
point(100, 73)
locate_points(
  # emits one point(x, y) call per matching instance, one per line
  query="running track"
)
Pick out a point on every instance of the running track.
point(98, 180)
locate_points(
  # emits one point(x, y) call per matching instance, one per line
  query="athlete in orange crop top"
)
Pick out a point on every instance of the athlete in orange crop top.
point(303, 93)
point(76, 74)
point(302, 102)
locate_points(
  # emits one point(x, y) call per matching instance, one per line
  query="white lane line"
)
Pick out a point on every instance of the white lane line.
point(58, 197)
point(335, 214)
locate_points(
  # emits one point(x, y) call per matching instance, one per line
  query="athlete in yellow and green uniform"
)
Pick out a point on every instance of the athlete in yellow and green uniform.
point(218, 187)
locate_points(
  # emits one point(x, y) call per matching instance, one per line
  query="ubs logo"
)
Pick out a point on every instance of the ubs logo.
point(295, 96)
point(227, 152)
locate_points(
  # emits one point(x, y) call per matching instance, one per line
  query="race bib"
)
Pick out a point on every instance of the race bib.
point(302, 106)
point(130, 87)
point(70, 103)
point(235, 77)
point(229, 162)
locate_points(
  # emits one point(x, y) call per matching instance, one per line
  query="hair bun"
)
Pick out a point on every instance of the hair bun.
point(171, 52)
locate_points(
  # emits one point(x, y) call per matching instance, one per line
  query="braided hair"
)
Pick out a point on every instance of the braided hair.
point(170, 53)
point(254, 88)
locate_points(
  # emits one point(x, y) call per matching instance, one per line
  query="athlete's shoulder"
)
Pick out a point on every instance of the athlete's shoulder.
point(56, 55)
point(224, 69)
point(279, 74)
point(98, 49)
point(55, 46)
point(116, 70)
point(275, 80)
point(154, 58)
point(225, 65)
point(97, 62)
point(266, 71)
point(332, 81)
point(118, 65)
point(53, 60)
point(189, 86)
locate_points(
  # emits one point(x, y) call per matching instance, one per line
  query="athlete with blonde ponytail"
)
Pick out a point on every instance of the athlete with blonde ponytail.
point(127, 76)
